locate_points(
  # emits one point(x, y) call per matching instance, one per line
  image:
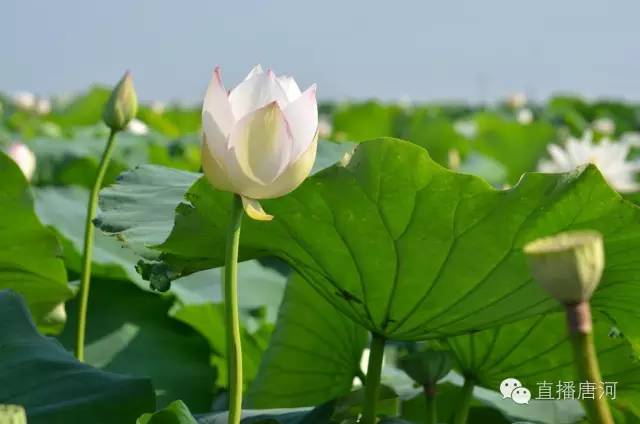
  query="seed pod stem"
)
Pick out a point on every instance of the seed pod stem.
point(586, 360)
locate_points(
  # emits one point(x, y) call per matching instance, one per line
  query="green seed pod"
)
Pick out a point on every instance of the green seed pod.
point(122, 106)
point(427, 367)
point(568, 265)
point(12, 414)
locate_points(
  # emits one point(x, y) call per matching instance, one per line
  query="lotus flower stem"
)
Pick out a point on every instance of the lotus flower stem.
point(372, 387)
point(430, 399)
point(462, 412)
point(586, 360)
point(87, 253)
point(234, 347)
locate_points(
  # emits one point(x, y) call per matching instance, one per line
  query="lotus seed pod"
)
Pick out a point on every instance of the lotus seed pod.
point(427, 367)
point(568, 265)
point(122, 106)
point(12, 414)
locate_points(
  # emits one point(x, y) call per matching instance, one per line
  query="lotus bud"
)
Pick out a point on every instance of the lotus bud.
point(260, 138)
point(568, 265)
point(12, 414)
point(24, 158)
point(122, 106)
point(427, 367)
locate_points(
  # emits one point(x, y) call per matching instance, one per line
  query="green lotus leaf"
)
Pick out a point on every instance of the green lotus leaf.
point(537, 352)
point(411, 250)
point(139, 208)
point(37, 373)
point(129, 331)
point(30, 261)
point(313, 356)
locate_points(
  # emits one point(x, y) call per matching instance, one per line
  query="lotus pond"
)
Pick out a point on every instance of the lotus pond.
point(392, 285)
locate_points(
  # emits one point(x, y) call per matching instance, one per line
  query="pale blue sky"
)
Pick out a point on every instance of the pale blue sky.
point(456, 49)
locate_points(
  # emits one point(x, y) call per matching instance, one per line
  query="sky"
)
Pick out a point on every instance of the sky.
point(474, 50)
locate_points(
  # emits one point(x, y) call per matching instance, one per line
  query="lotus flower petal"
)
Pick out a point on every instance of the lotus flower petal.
point(216, 104)
point(214, 169)
point(290, 87)
point(262, 144)
point(257, 70)
point(255, 93)
point(293, 176)
point(302, 116)
point(254, 210)
point(215, 140)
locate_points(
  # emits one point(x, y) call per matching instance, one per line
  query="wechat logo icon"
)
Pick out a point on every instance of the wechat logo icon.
point(512, 388)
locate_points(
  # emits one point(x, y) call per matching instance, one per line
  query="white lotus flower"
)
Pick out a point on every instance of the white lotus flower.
point(24, 158)
point(610, 158)
point(525, 116)
point(137, 127)
point(24, 100)
point(260, 138)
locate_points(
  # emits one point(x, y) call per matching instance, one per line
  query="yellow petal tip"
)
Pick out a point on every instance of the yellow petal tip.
point(254, 210)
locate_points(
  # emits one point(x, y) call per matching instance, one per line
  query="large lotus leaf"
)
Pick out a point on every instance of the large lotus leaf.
point(537, 351)
point(139, 211)
point(129, 331)
point(139, 208)
point(198, 303)
point(313, 356)
point(411, 250)
point(53, 387)
point(29, 252)
point(64, 209)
